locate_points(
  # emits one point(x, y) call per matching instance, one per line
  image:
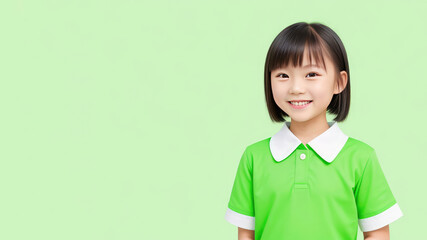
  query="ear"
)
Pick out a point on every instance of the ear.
point(342, 78)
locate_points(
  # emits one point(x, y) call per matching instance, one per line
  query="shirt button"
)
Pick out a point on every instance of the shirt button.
point(302, 156)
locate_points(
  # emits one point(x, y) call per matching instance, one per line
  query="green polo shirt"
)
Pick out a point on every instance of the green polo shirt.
point(324, 190)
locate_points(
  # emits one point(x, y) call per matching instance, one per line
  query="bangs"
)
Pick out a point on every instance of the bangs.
point(290, 48)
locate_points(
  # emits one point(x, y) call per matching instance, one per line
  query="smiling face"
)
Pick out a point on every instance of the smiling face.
point(316, 84)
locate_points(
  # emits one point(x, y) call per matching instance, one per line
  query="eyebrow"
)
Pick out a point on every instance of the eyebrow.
point(311, 65)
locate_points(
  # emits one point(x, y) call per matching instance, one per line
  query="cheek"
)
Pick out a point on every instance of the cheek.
point(323, 97)
point(278, 93)
point(321, 92)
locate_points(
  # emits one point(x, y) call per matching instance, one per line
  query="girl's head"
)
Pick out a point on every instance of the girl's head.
point(287, 77)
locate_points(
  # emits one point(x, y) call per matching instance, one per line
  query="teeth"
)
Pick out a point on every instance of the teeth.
point(299, 103)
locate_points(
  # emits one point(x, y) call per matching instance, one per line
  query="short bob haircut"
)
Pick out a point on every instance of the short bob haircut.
point(289, 46)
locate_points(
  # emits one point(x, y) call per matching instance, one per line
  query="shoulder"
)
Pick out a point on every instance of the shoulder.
point(260, 147)
point(359, 151)
point(358, 144)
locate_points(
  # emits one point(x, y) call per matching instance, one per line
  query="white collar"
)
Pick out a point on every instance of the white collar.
point(327, 145)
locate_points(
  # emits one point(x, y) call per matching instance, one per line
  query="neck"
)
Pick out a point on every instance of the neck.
point(308, 130)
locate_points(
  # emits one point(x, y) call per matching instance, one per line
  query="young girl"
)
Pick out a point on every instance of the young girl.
point(309, 180)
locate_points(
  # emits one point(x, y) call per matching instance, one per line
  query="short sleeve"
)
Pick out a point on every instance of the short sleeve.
point(376, 205)
point(240, 211)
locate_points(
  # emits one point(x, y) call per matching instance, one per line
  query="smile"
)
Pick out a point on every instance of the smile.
point(300, 105)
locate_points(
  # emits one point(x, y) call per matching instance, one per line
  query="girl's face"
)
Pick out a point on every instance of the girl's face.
point(312, 83)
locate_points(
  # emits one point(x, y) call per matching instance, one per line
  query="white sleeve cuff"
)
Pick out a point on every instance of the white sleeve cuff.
point(240, 220)
point(380, 220)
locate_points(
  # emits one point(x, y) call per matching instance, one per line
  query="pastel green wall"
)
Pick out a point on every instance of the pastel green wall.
point(126, 119)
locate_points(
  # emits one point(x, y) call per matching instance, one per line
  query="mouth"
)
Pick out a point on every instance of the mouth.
point(300, 104)
point(298, 101)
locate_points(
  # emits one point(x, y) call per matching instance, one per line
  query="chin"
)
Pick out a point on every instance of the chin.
point(299, 118)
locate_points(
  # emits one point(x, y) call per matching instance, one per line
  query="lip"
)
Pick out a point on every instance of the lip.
point(302, 106)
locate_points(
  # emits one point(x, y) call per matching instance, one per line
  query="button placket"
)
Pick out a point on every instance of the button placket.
point(301, 166)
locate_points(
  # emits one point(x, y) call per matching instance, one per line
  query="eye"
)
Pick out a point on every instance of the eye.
point(281, 74)
point(313, 73)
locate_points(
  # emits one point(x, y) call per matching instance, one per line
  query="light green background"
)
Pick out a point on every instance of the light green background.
point(126, 119)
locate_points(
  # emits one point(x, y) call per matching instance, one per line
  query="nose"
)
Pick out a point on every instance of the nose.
point(297, 86)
